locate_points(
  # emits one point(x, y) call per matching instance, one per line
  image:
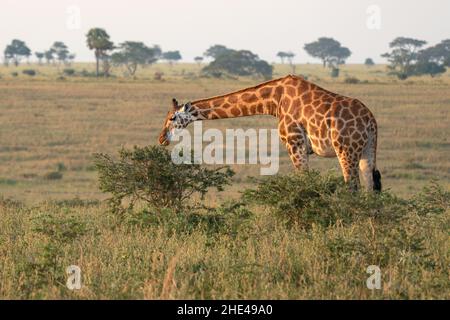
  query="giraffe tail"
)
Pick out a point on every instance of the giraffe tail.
point(376, 175)
point(376, 180)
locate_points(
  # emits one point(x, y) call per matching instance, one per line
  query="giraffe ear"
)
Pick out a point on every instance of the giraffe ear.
point(175, 104)
point(187, 107)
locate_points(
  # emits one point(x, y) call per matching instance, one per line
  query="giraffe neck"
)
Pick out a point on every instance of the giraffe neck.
point(260, 100)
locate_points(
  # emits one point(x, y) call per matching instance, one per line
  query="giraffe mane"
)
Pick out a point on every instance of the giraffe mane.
point(242, 90)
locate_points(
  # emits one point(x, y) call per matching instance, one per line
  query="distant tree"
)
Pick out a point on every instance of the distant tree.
point(198, 60)
point(105, 60)
point(289, 56)
point(282, 56)
point(440, 53)
point(240, 63)
point(215, 51)
point(71, 58)
point(369, 62)
point(338, 56)
point(403, 56)
point(328, 50)
point(49, 56)
point(61, 51)
point(39, 56)
point(98, 40)
point(428, 67)
point(16, 51)
point(171, 56)
point(131, 54)
point(5, 59)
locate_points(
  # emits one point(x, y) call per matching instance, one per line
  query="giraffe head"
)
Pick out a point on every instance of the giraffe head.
point(177, 118)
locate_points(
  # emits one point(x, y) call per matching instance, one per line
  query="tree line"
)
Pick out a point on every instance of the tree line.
point(407, 56)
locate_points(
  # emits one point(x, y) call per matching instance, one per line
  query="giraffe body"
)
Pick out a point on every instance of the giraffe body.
point(310, 120)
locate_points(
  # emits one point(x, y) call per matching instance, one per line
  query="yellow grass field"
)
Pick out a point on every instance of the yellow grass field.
point(54, 123)
point(47, 121)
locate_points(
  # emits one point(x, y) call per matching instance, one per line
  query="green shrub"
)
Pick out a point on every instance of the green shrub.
point(228, 218)
point(310, 198)
point(432, 200)
point(29, 72)
point(61, 166)
point(149, 175)
point(352, 80)
point(69, 72)
point(47, 267)
point(59, 229)
point(334, 72)
point(15, 74)
point(53, 175)
point(75, 202)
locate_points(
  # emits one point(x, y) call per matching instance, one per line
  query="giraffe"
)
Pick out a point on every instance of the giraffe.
point(311, 120)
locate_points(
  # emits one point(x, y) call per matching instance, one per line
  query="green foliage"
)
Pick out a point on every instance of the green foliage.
point(149, 175)
point(335, 72)
point(238, 63)
point(29, 72)
point(131, 54)
point(369, 62)
point(40, 56)
point(439, 54)
point(406, 58)
point(98, 40)
point(62, 230)
point(49, 56)
point(285, 55)
point(229, 219)
point(329, 51)
point(432, 200)
point(428, 67)
point(61, 51)
point(75, 203)
point(198, 60)
point(16, 51)
point(53, 175)
point(308, 198)
point(171, 56)
point(47, 267)
point(216, 51)
point(352, 80)
point(403, 56)
point(69, 72)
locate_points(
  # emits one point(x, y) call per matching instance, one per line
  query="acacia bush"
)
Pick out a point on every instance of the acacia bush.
point(69, 72)
point(59, 233)
point(230, 218)
point(29, 72)
point(309, 198)
point(149, 175)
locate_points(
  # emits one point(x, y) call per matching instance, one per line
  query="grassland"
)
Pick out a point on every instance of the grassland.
point(51, 123)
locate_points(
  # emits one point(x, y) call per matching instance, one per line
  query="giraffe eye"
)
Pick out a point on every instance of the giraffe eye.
point(172, 118)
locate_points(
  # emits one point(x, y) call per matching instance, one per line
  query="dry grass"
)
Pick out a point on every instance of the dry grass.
point(265, 259)
point(48, 123)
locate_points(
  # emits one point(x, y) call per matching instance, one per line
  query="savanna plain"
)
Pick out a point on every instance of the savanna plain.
point(53, 215)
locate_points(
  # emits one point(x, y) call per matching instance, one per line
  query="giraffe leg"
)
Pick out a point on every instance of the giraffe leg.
point(367, 165)
point(298, 154)
point(294, 136)
point(349, 164)
point(366, 168)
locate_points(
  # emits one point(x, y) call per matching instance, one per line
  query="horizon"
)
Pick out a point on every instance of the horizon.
point(372, 24)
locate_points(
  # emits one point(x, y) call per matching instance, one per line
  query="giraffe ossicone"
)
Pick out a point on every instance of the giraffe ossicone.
point(310, 120)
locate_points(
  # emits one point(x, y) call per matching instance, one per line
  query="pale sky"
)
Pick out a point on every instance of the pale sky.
point(191, 26)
